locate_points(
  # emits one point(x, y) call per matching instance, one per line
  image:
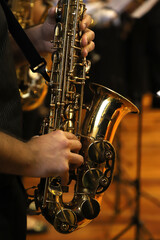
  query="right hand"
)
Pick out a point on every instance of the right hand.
point(53, 154)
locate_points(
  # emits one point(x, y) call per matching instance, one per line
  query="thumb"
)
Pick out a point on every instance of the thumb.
point(51, 16)
point(49, 25)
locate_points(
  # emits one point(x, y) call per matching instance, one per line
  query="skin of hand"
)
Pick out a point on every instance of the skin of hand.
point(42, 35)
point(54, 153)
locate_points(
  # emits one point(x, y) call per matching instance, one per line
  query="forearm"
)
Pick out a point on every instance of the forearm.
point(47, 155)
point(15, 156)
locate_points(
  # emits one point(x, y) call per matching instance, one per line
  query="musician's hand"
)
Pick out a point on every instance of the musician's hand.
point(88, 35)
point(41, 35)
point(53, 154)
point(48, 33)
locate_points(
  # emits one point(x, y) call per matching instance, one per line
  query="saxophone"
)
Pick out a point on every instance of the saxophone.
point(96, 131)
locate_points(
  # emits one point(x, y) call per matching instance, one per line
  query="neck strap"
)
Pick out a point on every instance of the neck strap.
point(37, 63)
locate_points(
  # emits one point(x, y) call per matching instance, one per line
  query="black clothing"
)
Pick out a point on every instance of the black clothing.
point(127, 57)
point(12, 200)
point(10, 105)
point(12, 211)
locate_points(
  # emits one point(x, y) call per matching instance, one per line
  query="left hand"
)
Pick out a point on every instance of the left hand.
point(47, 33)
point(88, 36)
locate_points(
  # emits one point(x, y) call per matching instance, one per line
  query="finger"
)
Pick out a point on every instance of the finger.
point(48, 27)
point(87, 49)
point(75, 160)
point(51, 15)
point(75, 145)
point(87, 37)
point(70, 135)
point(48, 44)
point(86, 22)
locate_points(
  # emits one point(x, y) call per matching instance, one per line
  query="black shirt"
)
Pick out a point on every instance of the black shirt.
point(12, 200)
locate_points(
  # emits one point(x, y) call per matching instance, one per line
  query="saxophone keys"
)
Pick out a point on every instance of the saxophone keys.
point(54, 187)
point(65, 221)
point(90, 208)
point(90, 179)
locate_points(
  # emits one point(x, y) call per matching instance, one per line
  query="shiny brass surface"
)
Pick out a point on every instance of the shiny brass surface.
point(105, 113)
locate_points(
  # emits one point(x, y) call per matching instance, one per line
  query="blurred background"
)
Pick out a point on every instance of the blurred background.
point(126, 59)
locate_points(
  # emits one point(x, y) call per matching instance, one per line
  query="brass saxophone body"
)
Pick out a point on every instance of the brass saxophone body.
point(96, 131)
